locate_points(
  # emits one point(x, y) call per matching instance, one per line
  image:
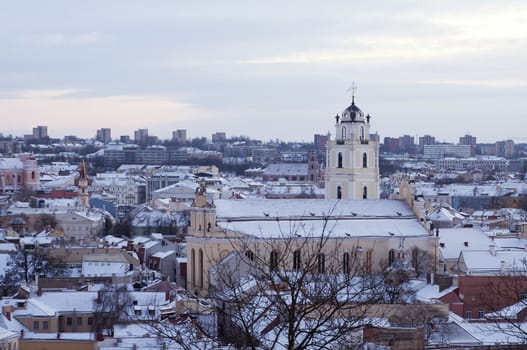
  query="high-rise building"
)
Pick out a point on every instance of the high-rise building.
point(426, 140)
point(40, 132)
point(219, 137)
point(179, 136)
point(505, 148)
point(141, 137)
point(104, 135)
point(352, 158)
point(469, 140)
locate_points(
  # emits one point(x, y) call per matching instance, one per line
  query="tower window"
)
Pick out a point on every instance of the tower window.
point(362, 133)
point(343, 133)
point(339, 192)
point(339, 163)
point(201, 268)
point(364, 192)
point(250, 255)
point(364, 160)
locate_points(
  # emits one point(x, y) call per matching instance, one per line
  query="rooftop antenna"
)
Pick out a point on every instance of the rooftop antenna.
point(353, 89)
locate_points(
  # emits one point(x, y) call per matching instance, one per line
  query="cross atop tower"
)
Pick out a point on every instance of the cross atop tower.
point(353, 89)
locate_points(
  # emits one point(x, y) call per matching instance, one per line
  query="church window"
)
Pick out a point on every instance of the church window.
point(364, 160)
point(368, 263)
point(209, 225)
point(201, 268)
point(364, 192)
point(273, 261)
point(321, 263)
point(343, 133)
point(296, 260)
point(391, 257)
point(361, 133)
point(346, 263)
point(193, 264)
point(32, 175)
point(339, 192)
point(339, 164)
point(250, 255)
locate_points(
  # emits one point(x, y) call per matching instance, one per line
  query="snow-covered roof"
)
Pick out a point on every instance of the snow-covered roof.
point(452, 241)
point(483, 261)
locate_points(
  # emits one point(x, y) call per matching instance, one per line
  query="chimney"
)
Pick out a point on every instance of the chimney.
point(502, 266)
point(492, 249)
point(39, 291)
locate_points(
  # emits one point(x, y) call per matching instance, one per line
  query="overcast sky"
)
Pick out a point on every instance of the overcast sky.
point(266, 69)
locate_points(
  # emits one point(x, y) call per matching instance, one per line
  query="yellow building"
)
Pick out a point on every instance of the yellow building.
point(372, 233)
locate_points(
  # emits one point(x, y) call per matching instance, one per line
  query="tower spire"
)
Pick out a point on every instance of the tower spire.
point(353, 89)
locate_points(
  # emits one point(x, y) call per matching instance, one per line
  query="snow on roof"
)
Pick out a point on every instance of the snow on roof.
point(452, 241)
point(334, 228)
point(162, 255)
point(286, 169)
point(118, 258)
point(304, 207)
point(430, 293)
point(482, 261)
point(11, 163)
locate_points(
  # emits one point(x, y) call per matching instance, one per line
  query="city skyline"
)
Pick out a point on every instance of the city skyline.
point(266, 71)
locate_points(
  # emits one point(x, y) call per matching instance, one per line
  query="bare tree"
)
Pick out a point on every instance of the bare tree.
point(113, 305)
point(298, 291)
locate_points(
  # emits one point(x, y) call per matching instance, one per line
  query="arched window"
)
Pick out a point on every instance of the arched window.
point(339, 192)
point(32, 175)
point(365, 192)
point(321, 263)
point(209, 225)
point(391, 257)
point(193, 271)
point(250, 255)
point(364, 160)
point(343, 133)
point(296, 260)
point(362, 133)
point(339, 163)
point(346, 263)
point(200, 267)
point(273, 261)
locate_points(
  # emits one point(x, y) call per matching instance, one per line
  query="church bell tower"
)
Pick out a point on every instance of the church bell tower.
point(352, 157)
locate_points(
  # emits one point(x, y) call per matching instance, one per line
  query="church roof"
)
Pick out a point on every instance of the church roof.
point(352, 114)
point(305, 217)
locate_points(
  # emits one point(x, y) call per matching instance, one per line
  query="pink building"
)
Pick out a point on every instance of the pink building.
point(19, 173)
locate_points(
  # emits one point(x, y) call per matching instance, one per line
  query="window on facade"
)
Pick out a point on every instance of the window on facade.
point(193, 264)
point(296, 260)
point(480, 313)
point(346, 263)
point(391, 257)
point(201, 268)
point(339, 192)
point(45, 325)
point(35, 324)
point(321, 263)
point(368, 262)
point(364, 160)
point(138, 312)
point(361, 133)
point(90, 321)
point(69, 321)
point(468, 314)
point(365, 192)
point(79, 321)
point(343, 133)
point(273, 261)
point(339, 162)
point(250, 255)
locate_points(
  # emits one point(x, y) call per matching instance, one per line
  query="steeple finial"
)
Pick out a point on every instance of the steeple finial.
point(353, 89)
